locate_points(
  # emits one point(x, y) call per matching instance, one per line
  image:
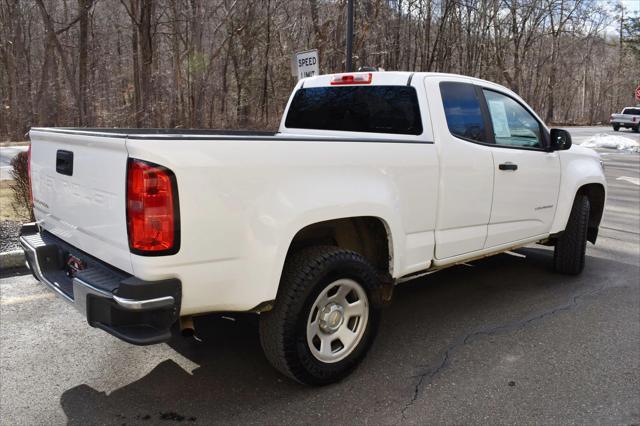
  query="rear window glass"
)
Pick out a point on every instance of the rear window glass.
point(631, 111)
point(374, 109)
point(462, 109)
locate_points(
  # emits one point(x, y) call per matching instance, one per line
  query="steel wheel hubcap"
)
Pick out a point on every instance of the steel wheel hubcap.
point(331, 318)
point(337, 321)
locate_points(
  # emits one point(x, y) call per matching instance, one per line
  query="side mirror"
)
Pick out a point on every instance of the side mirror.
point(560, 140)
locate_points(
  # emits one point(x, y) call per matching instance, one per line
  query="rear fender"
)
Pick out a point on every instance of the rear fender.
point(347, 203)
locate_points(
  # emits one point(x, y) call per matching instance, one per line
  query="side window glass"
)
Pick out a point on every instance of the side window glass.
point(513, 125)
point(462, 109)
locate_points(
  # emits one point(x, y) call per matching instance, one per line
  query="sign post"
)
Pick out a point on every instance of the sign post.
point(305, 64)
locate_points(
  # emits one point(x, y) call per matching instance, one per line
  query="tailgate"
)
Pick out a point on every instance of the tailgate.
point(622, 118)
point(79, 184)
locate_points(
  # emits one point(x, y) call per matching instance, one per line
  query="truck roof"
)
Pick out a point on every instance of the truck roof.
point(389, 78)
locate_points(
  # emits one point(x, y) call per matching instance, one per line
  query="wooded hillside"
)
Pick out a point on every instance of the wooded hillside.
point(226, 63)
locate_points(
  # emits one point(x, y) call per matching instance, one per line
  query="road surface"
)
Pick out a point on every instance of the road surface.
point(503, 341)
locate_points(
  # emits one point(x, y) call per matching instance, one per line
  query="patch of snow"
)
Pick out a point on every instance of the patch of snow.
point(621, 143)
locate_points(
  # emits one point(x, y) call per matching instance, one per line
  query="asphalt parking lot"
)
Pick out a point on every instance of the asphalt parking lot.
point(505, 340)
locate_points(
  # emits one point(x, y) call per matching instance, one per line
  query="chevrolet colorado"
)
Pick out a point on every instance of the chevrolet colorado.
point(372, 179)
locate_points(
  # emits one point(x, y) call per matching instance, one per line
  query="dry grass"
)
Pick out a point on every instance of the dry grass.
point(7, 143)
point(6, 209)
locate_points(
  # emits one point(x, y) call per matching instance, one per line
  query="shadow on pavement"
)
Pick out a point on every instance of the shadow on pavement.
point(235, 384)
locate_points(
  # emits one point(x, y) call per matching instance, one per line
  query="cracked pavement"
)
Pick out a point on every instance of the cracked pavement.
point(505, 340)
point(427, 376)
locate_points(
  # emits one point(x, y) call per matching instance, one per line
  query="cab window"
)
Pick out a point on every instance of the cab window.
point(463, 112)
point(373, 109)
point(512, 124)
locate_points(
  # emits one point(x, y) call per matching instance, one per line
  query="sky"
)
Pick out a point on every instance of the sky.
point(631, 5)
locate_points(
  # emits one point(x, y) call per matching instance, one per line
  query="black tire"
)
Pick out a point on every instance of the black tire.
point(569, 254)
point(637, 128)
point(283, 330)
point(616, 127)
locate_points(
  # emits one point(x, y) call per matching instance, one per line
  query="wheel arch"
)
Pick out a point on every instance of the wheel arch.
point(595, 192)
point(368, 235)
point(582, 173)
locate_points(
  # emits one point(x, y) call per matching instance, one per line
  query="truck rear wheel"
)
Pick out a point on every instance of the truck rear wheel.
point(571, 246)
point(325, 317)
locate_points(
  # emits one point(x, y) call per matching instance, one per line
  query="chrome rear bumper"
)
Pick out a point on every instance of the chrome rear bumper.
point(137, 311)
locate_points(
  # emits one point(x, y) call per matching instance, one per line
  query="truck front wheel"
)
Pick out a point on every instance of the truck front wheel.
point(616, 127)
point(325, 316)
point(571, 246)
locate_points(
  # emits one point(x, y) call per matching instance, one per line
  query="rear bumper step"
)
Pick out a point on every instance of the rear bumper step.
point(136, 311)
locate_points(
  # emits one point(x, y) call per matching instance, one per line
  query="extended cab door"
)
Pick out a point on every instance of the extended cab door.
point(527, 177)
point(466, 165)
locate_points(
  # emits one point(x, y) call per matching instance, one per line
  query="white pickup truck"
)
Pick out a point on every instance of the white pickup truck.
point(371, 180)
point(629, 118)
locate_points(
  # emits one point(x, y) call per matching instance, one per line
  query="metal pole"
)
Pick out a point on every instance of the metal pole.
point(349, 59)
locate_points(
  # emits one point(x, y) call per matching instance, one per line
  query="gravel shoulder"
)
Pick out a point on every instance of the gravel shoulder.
point(9, 230)
point(10, 221)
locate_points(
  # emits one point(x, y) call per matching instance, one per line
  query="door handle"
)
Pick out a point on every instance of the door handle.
point(64, 162)
point(508, 166)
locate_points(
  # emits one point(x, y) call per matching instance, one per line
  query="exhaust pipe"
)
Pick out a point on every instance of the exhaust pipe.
point(186, 327)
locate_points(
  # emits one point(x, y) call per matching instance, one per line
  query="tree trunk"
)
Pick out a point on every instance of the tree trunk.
point(48, 23)
point(198, 65)
point(137, 90)
point(264, 103)
point(146, 56)
point(175, 119)
point(83, 10)
point(552, 82)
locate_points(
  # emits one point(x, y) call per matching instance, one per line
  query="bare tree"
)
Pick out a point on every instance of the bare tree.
point(141, 13)
point(83, 13)
point(226, 63)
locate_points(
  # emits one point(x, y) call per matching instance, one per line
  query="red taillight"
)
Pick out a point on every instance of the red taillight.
point(152, 217)
point(29, 174)
point(352, 79)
